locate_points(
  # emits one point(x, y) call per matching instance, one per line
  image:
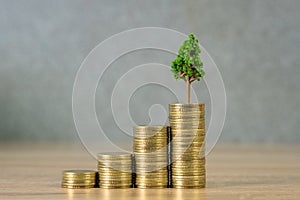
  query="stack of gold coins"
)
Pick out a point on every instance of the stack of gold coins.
point(115, 170)
point(150, 150)
point(188, 145)
point(79, 179)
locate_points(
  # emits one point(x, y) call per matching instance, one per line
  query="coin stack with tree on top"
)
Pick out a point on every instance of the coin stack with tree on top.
point(187, 121)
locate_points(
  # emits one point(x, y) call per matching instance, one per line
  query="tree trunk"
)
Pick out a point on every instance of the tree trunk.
point(188, 91)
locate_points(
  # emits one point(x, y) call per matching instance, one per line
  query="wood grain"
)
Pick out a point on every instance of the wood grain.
point(33, 171)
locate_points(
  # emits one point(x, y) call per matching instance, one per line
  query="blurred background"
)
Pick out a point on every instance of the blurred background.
point(255, 44)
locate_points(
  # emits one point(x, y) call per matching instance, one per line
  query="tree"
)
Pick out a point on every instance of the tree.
point(188, 65)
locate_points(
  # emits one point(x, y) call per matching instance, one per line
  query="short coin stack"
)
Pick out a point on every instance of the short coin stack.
point(115, 170)
point(150, 150)
point(79, 179)
point(188, 145)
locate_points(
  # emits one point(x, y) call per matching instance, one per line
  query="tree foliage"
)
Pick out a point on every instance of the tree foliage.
point(188, 65)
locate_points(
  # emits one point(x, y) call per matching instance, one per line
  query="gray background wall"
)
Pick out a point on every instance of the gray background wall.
point(256, 45)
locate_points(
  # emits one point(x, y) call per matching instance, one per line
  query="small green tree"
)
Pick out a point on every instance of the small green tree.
point(188, 65)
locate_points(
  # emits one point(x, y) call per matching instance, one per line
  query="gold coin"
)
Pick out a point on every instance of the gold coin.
point(191, 158)
point(111, 166)
point(104, 171)
point(187, 152)
point(186, 136)
point(176, 174)
point(147, 136)
point(145, 163)
point(102, 183)
point(111, 184)
point(123, 171)
point(109, 176)
point(188, 163)
point(114, 156)
point(108, 180)
point(188, 184)
point(153, 187)
point(187, 166)
point(162, 157)
point(182, 169)
point(186, 113)
point(121, 178)
point(78, 184)
point(114, 184)
point(150, 128)
point(151, 140)
point(188, 187)
point(78, 181)
point(152, 183)
point(77, 187)
point(188, 142)
point(149, 131)
point(151, 159)
point(158, 155)
point(190, 105)
point(190, 117)
point(188, 178)
point(186, 121)
point(115, 187)
point(176, 112)
point(197, 130)
point(147, 149)
point(157, 177)
point(187, 116)
point(79, 172)
point(146, 170)
point(153, 173)
point(115, 167)
point(149, 146)
point(188, 126)
point(154, 167)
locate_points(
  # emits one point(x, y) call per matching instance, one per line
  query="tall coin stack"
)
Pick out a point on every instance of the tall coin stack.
point(150, 151)
point(188, 145)
point(79, 179)
point(115, 170)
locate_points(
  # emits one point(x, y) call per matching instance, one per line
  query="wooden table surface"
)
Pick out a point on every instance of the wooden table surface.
point(33, 171)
